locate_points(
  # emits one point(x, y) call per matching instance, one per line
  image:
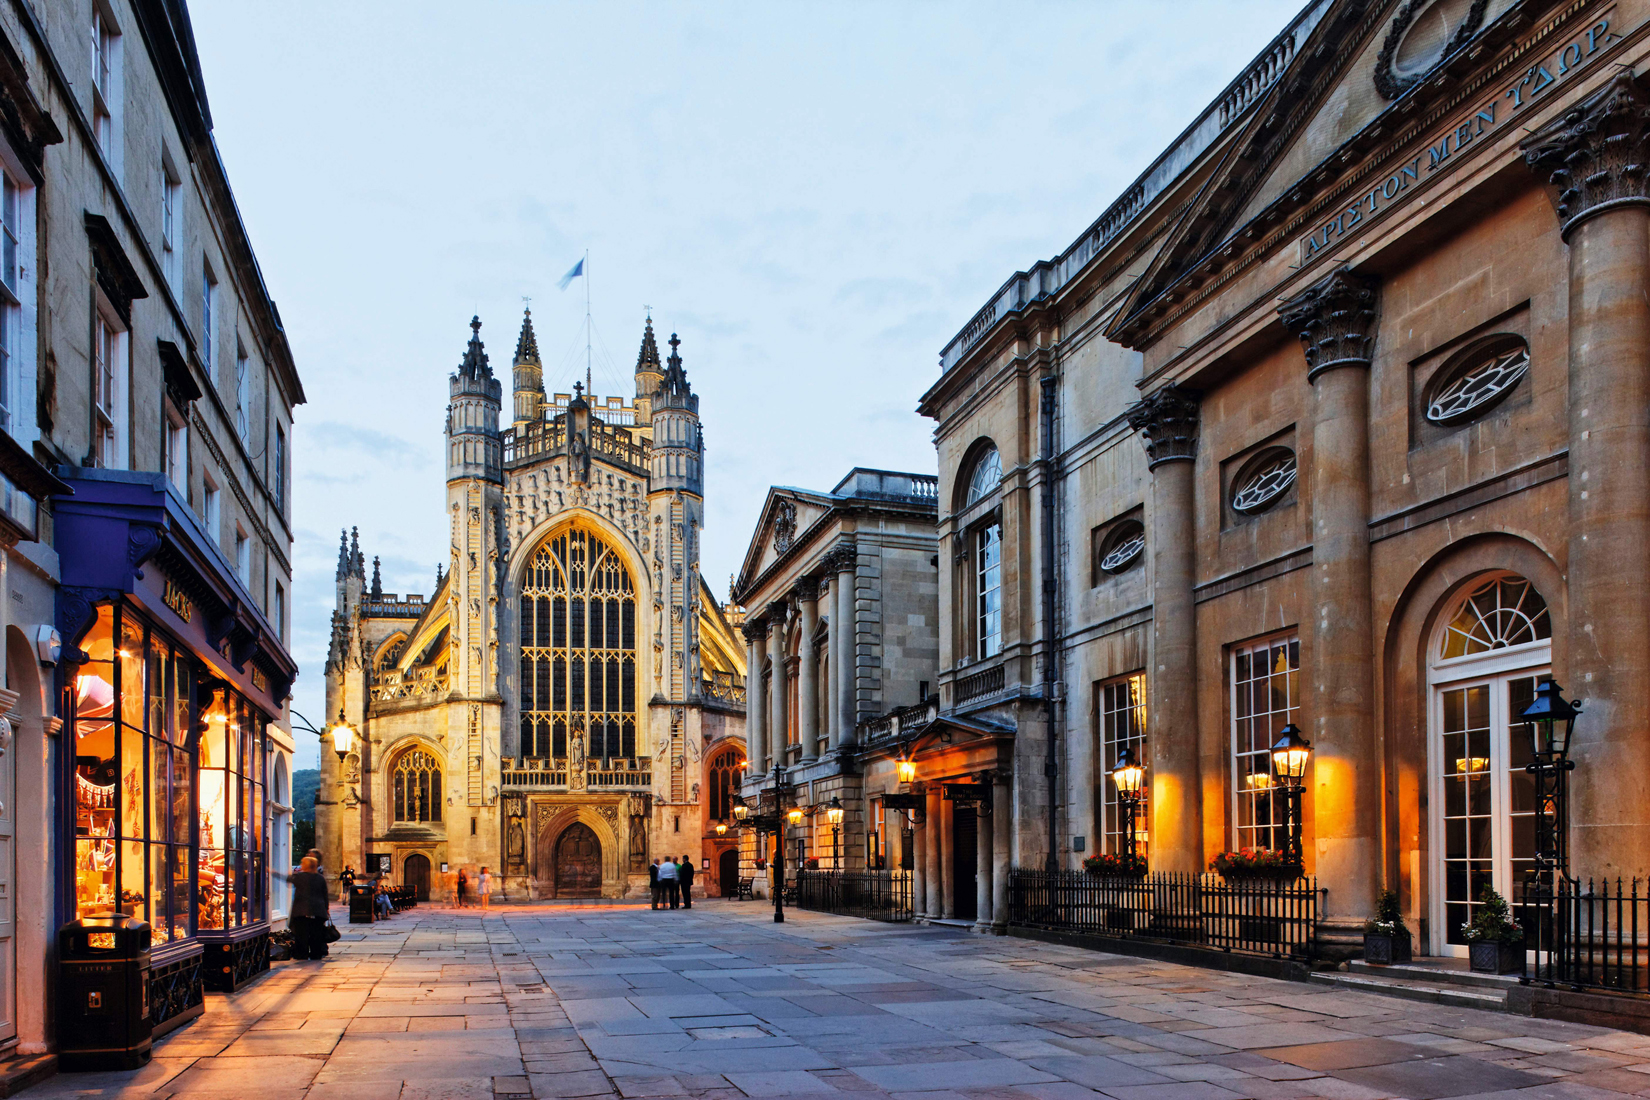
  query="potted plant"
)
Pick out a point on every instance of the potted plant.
point(1257, 863)
point(761, 865)
point(811, 863)
point(1114, 865)
point(1386, 939)
point(1495, 943)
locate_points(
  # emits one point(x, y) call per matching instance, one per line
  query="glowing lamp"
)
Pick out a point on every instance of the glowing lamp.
point(342, 734)
point(1129, 774)
point(794, 817)
point(907, 771)
point(741, 811)
point(721, 828)
point(833, 812)
point(1290, 753)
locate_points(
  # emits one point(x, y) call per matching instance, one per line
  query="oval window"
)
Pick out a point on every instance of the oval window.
point(1124, 548)
point(1264, 481)
point(1478, 379)
point(1422, 34)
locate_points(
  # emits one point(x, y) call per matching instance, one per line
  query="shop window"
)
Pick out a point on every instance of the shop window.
point(1477, 379)
point(1120, 718)
point(1265, 698)
point(415, 783)
point(230, 863)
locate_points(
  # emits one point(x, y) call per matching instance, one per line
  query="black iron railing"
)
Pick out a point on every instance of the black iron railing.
point(1587, 935)
point(878, 895)
point(1254, 916)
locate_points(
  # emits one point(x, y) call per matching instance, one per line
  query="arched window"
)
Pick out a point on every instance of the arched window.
point(724, 777)
point(1504, 612)
point(415, 787)
point(578, 649)
point(983, 478)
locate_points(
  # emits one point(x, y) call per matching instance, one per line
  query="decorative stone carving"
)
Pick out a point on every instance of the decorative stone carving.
point(1335, 320)
point(784, 526)
point(1413, 47)
point(806, 589)
point(1167, 421)
point(1593, 155)
point(841, 557)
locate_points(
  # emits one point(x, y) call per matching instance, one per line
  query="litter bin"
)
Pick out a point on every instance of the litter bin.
point(360, 904)
point(103, 994)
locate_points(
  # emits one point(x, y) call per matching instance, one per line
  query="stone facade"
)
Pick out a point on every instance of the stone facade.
point(560, 708)
point(844, 598)
point(1347, 427)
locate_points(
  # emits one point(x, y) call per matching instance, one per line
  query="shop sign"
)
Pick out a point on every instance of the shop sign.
point(178, 600)
point(967, 792)
point(1529, 87)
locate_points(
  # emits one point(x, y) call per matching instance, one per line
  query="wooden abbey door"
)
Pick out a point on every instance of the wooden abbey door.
point(578, 863)
point(727, 872)
point(416, 873)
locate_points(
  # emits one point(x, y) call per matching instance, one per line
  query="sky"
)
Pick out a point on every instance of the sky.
point(817, 197)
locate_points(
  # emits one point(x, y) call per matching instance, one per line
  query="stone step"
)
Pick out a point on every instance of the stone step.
point(17, 1074)
point(1437, 972)
point(1431, 992)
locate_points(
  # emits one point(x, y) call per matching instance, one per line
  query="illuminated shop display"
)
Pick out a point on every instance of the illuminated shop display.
point(168, 786)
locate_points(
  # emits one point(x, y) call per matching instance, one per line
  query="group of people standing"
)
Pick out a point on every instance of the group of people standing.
point(467, 890)
point(672, 882)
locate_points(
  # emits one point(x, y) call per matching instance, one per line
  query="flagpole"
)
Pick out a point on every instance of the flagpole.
point(587, 322)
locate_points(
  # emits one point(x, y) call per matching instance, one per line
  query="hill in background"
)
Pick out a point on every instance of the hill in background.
point(304, 785)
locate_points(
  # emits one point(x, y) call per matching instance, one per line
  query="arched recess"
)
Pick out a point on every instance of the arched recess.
point(32, 902)
point(1433, 592)
point(509, 624)
point(421, 768)
point(550, 829)
point(963, 492)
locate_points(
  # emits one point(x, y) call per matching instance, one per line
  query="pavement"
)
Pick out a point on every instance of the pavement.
point(718, 1001)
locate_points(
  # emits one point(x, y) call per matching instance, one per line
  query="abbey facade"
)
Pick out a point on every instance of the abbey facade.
point(569, 703)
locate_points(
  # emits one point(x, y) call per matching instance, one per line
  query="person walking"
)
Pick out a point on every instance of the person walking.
point(667, 880)
point(484, 887)
point(684, 872)
point(653, 887)
point(308, 918)
point(347, 877)
point(463, 886)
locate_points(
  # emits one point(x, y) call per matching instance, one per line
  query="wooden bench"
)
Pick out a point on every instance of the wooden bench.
point(746, 891)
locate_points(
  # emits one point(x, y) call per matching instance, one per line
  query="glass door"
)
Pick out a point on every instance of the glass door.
point(1484, 819)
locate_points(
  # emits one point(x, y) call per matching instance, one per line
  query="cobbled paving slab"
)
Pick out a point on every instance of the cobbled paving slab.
point(720, 1002)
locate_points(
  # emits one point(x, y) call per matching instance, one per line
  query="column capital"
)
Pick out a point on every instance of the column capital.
point(841, 557)
point(755, 628)
point(1167, 420)
point(806, 590)
point(1592, 157)
point(1335, 320)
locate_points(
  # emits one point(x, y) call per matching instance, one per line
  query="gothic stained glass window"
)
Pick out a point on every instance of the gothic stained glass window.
point(578, 649)
point(724, 779)
point(416, 786)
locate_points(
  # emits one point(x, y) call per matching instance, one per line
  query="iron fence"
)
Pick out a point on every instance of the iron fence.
point(1590, 935)
point(877, 895)
point(1256, 916)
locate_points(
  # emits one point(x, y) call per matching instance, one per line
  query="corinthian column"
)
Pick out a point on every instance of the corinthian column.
point(778, 722)
point(756, 702)
point(1592, 158)
point(845, 560)
point(1167, 420)
point(1335, 320)
point(807, 682)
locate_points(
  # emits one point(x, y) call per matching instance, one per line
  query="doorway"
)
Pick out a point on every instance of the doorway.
point(416, 873)
point(1494, 653)
point(965, 857)
point(578, 863)
point(727, 872)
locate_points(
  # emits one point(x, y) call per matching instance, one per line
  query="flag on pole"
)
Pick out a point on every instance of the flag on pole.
point(577, 270)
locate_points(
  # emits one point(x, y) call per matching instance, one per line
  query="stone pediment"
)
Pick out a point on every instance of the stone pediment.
point(1364, 79)
point(786, 518)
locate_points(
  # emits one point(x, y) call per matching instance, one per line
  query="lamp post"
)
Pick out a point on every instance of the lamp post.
point(1129, 776)
point(833, 814)
point(1550, 721)
point(1290, 754)
point(343, 736)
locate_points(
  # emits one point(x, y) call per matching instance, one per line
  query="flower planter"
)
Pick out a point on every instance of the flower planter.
point(1495, 957)
point(1382, 950)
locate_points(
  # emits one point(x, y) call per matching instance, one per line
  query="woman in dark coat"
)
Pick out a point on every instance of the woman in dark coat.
point(308, 918)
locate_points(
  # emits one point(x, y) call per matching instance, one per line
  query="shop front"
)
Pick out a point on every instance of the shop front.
point(172, 684)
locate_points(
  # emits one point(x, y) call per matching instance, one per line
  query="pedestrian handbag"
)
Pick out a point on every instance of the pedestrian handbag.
point(330, 933)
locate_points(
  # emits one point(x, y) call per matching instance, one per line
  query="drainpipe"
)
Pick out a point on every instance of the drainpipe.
point(1051, 677)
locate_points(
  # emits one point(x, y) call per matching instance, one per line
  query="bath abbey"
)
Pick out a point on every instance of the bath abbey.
point(569, 702)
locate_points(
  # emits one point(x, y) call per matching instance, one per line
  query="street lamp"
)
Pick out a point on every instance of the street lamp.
point(741, 811)
point(907, 771)
point(1551, 719)
point(342, 734)
point(1129, 776)
point(721, 828)
point(1290, 754)
point(833, 814)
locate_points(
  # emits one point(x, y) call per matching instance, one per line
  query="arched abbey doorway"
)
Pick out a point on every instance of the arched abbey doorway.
point(727, 872)
point(1492, 649)
point(578, 863)
point(416, 873)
